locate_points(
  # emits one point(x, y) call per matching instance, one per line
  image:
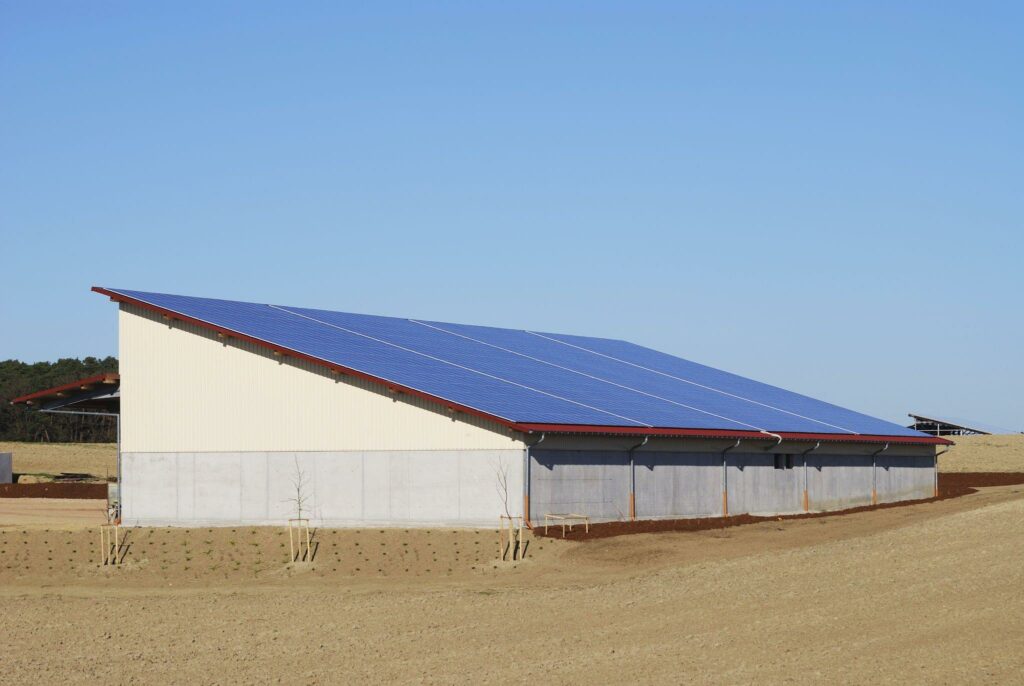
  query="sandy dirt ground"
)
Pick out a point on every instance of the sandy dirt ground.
point(927, 593)
point(51, 513)
point(96, 459)
point(996, 453)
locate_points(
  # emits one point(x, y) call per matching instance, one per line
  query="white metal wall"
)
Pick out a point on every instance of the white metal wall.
point(184, 390)
point(359, 488)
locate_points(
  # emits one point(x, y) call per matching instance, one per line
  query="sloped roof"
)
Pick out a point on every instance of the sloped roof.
point(98, 393)
point(965, 424)
point(531, 381)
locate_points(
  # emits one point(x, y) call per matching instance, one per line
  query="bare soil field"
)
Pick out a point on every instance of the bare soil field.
point(928, 593)
point(996, 453)
point(925, 593)
point(98, 460)
point(63, 513)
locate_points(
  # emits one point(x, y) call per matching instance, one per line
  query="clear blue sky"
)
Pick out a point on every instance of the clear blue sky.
point(824, 196)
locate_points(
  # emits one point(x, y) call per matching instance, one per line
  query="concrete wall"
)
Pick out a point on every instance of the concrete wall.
point(671, 484)
point(594, 483)
point(838, 482)
point(756, 487)
point(684, 478)
point(353, 488)
point(184, 390)
point(6, 462)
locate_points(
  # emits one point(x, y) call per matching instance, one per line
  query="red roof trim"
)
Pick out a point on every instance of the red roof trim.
point(518, 426)
point(109, 377)
point(730, 434)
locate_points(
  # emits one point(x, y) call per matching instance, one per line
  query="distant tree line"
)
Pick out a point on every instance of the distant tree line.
point(21, 423)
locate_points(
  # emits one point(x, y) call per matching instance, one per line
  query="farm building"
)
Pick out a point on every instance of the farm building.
point(225, 406)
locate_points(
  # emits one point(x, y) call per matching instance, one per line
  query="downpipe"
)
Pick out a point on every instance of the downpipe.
point(935, 472)
point(632, 478)
point(725, 477)
point(804, 454)
point(526, 480)
point(874, 473)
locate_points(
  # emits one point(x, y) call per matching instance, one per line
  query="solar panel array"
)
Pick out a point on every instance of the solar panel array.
point(530, 377)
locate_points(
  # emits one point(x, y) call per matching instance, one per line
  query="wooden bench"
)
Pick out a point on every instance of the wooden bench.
point(566, 519)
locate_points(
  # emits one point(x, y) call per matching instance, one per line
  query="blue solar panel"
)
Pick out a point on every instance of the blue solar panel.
point(530, 377)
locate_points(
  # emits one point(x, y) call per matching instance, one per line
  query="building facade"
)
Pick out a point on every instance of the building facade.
point(220, 429)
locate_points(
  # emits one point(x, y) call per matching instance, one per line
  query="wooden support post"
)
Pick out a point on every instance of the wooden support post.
point(522, 541)
point(632, 507)
point(110, 544)
point(298, 533)
point(516, 537)
point(725, 503)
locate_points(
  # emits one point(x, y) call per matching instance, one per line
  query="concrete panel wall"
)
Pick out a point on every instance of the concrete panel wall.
point(354, 488)
point(678, 484)
point(838, 482)
point(6, 466)
point(756, 487)
point(904, 477)
point(590, 482)
point(184, 390)
point(689, 484)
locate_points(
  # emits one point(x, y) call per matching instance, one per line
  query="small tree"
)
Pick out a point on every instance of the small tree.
point(299, 483)
point(516, 545)
point(501, 483)
point(299, 501)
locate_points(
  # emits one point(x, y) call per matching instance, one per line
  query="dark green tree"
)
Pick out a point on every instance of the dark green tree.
point(20, 423)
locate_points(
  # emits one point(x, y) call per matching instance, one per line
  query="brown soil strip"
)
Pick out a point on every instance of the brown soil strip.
point(968, 479)
point(76, 491)
point(950, 486)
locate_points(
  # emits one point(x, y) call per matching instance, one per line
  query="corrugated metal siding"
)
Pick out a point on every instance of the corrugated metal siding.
point(183, 390)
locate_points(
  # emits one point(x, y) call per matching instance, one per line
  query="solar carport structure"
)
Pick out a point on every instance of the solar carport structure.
point(227, 405)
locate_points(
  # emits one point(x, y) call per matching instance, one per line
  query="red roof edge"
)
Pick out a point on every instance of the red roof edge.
point(730, 434)
point(109, 377)
point(517, 426)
